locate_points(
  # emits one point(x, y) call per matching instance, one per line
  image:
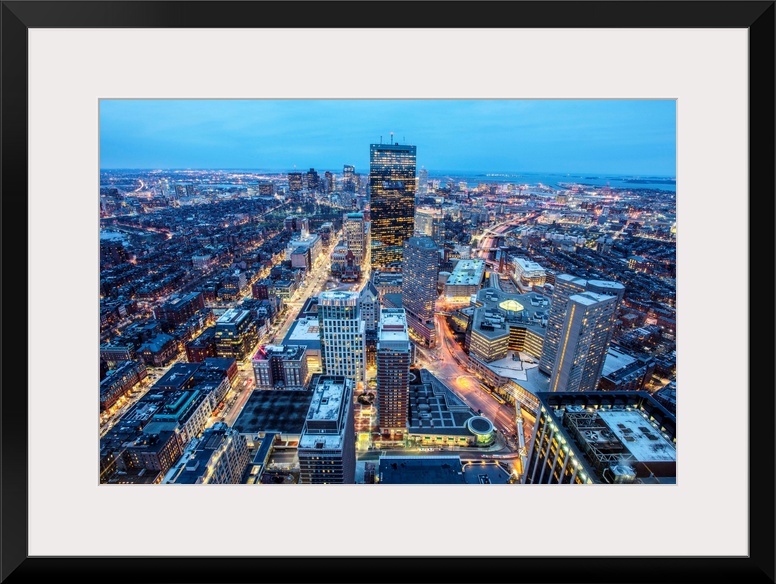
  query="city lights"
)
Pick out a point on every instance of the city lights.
point(385, 318)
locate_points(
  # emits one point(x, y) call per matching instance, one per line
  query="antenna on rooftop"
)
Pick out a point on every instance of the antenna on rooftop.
point(391, 138)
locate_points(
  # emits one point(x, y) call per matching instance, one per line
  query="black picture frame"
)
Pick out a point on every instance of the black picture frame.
point(19, 16)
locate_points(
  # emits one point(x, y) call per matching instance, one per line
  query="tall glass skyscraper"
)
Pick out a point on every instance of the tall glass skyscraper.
point(392, 186)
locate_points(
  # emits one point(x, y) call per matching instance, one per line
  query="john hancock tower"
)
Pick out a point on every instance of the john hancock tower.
point(392, 186)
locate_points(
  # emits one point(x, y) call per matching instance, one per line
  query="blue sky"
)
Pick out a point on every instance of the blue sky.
point(603, 136)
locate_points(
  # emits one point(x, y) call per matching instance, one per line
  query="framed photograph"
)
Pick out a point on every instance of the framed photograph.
point(62, 61)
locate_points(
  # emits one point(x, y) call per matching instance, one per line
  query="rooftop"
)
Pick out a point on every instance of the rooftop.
point(499, 311)
point(266, 352)
point(327, 399)
point(467, 273)
point(232, 316)
point(528, 265)
point(274, 411)
point(331, 398)
point(616, 360)
point(588, 298)
point(615, 287)
point(305, 331)
point(435, 408)
point(393, 325)
point(628, 433)
point(421, 470)
point(338, 298)
point(422, 241)
point(177, 376)
point(516, 369)
point(645, 442)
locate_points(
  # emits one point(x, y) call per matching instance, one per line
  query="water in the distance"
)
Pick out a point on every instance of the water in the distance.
point(556, 180)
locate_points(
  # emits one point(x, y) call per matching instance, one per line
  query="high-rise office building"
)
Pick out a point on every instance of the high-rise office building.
point(370, 306)
point(348, 178)
point(313, 180)
point(328, 182)
point(343, 350)
point(327, 446)
point(601, 437)
point(420, 272)
point(422, 181)
point(236, 334)
point(565, 286)
point(430, 222)
point(584, 338)
point(295, 182)
point(355, 235)
point(392, 186)
point(369, 303)
point(394, 357)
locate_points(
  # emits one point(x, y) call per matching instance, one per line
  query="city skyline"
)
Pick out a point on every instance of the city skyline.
point(622, 137)
point(316, 320)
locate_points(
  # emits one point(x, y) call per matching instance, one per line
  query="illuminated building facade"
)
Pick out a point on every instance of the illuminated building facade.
point(431, 222)
point(153, 451)
point(584, 339)
point(349, 178)
point(120, 381)
point(392, 186)
point(464, 281)
point(355, 236)
point(565, 286)
point(327, 447)
point(202, 346)
point(312, 180)
point(328, 182)
point(219, 457)
point(529, 274)
point(601, 437)
point(394, 357)
point(236, 334)
point(370, 306)
point(179, 308)
point(295, 183)
point(281, 367)
point(420, 271)
point(342, 333)
point(187, 411)
point(502, 321)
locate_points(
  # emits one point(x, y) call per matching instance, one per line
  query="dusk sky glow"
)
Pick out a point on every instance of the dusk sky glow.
point(632, 137)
